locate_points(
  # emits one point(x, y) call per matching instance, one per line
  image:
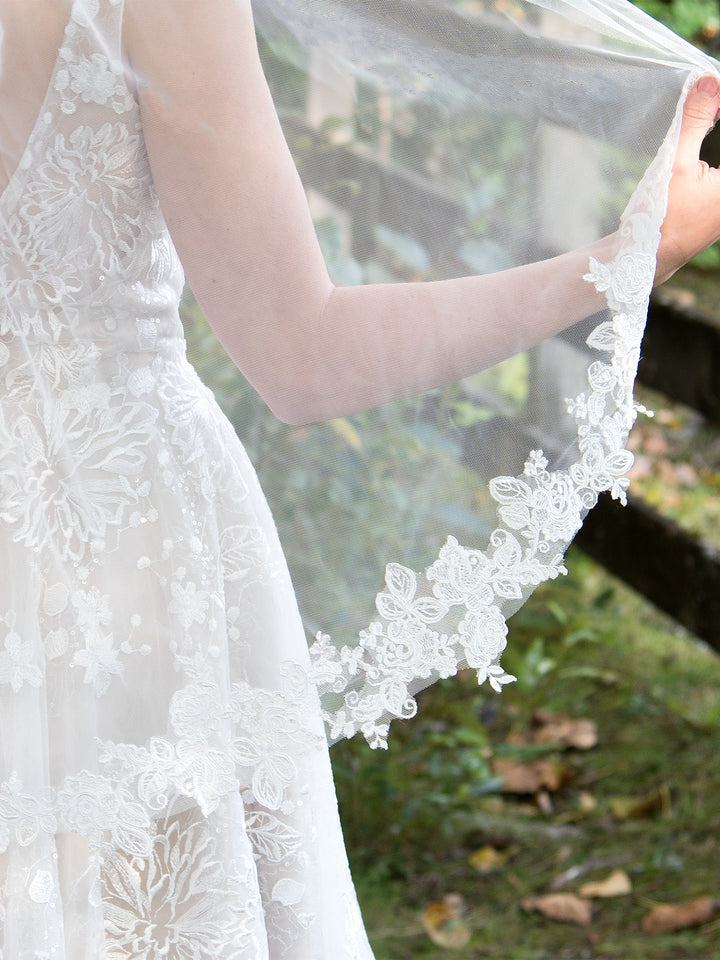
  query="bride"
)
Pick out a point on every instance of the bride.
point(165, 788)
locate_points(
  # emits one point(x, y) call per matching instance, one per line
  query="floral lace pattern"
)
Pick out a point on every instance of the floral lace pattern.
point(152, 651)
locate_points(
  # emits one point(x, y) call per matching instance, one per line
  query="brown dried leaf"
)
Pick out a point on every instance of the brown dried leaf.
point(561, 729)
point(444, 924)
point(617, 884)
point(565, 907)
point(530, 777)
point(666, 917)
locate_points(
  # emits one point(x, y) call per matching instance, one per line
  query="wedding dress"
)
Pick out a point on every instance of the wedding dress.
point(165, 788)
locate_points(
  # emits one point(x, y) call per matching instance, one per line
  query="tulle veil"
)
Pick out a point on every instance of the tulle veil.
point(439, 138)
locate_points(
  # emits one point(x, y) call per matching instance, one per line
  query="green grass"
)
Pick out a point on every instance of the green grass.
point(586, 647)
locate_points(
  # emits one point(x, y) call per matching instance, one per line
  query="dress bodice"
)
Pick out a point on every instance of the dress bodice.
point(86, 257)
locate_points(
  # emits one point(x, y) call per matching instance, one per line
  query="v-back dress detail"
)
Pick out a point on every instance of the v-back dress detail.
point(164, 781)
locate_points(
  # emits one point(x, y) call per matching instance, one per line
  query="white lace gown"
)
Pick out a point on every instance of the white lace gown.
point(165, 788)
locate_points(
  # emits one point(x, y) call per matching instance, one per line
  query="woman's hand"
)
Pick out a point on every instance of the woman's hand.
point(692, 222)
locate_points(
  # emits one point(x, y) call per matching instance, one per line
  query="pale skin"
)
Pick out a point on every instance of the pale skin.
point(307, 345)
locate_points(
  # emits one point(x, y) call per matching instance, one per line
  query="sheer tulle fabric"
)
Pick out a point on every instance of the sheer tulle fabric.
point(164, 781)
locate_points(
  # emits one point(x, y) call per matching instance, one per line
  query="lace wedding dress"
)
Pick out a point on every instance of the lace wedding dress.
point(165, 789)
point(150, 644)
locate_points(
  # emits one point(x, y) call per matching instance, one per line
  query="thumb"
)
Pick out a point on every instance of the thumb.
point(699, 115)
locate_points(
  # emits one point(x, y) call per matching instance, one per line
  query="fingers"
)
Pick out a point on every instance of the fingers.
point(699, 114)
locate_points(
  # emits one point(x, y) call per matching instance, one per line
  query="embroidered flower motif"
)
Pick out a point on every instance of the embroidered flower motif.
point(399, 599)
point(184, 901)
point(272, 839)
point(41, 887)
point(101, 662)
point(461, 576)
point(483, 636)
point(627, 280)
point(544, 506)
point(56, 643)
point(188, 604)
point(23, 815)
point(65, 477)
point(245, 552)
point(196, 710)
point(18, 662)
point(93, 80)
point(141, 382)
point(92, 206)
point(274, 732)
point(93, 611)
point(90, 804)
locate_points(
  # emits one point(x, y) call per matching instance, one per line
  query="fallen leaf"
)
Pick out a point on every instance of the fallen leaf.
point(666, 917)
point(530, 777)
point(487, 859)
point(561, 729)
point(444, 924)
point(580, 870)
point(632, 808)
point(617, 884)
point(565, 907)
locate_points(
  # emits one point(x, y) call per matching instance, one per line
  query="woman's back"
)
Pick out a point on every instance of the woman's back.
point(31, 32)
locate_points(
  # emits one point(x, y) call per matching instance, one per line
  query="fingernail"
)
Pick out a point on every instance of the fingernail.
point(708, 87)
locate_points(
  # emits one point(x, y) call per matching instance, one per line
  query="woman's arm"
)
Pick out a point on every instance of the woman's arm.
point(238, 216)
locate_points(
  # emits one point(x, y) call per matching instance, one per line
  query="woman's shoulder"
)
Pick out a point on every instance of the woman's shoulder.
point(31, 32)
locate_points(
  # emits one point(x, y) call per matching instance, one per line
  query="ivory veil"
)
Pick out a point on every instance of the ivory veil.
point(437, 139)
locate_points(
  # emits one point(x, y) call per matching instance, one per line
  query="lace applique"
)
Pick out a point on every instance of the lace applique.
point(23, 815)
point(102, 233)
point(184, 900)
point(92, 804)
point(18, 658)
point(92, 80)
point(274, 732)
point(44, 456)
